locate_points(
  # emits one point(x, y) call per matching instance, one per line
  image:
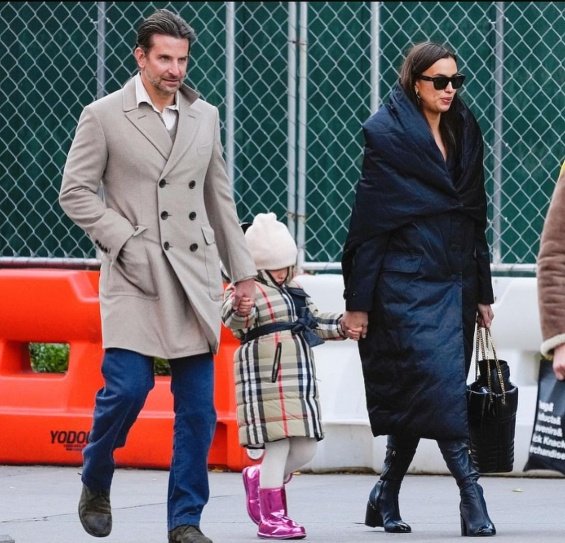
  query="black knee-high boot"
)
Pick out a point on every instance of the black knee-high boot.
point(475, 521)
point(382, 508)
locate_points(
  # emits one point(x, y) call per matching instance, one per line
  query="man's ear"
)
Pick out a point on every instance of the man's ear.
point(139, 55)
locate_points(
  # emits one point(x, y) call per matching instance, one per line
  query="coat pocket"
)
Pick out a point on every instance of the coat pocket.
point(204, 150)
point(130, 273)
point(276, 363)
point(213, 268)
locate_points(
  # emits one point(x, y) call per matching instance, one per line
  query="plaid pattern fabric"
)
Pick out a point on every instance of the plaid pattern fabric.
point(275, 375)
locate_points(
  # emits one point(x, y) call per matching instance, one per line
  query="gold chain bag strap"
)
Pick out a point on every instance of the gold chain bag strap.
point(492, 402)
point(484, 340)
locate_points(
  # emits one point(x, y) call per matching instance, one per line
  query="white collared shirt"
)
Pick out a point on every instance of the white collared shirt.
point(169, 115)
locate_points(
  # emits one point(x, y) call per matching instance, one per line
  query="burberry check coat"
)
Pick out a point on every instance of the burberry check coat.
point(275, 375)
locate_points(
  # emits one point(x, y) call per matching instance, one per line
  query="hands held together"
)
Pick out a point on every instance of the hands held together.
point(354, 324)
point(245, 307)
point(243, 297)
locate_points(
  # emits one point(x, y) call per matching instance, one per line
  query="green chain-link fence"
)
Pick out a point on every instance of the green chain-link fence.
point(294, 82)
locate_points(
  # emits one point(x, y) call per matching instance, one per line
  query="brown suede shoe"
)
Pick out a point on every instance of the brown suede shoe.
point(95, 512)
point(188, 534)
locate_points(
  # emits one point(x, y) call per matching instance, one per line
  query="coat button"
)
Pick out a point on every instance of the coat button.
point(194, 247)
point(164, 215)
point(162, 183)
point(166, 245)
point(191, 184)
point(192, 215)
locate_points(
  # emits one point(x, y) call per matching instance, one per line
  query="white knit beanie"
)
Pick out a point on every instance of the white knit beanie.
point(270, 243)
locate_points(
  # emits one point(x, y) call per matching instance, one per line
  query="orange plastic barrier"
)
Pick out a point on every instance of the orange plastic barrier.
point(45, 418)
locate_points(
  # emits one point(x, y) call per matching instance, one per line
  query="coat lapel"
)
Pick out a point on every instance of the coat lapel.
point(144, 119)
point(188, 125)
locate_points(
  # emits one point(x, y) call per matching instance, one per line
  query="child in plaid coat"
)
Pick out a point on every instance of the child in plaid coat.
point(275, 377)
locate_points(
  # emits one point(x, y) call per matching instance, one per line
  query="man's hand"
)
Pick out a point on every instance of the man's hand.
point(243, 289)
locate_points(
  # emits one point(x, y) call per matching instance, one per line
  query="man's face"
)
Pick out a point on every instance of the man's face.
point(163, 66)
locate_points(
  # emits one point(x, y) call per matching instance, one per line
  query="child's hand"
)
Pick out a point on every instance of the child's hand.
point(355, 333)
point(245, 307)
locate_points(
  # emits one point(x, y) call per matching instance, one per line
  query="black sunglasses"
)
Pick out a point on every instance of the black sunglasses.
point(441, 81)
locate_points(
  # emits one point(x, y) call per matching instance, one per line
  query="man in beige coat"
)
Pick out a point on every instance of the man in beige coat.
point(551, 280)
point(167, 217)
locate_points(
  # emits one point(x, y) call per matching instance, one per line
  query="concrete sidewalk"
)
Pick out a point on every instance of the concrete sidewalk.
point(38, 505)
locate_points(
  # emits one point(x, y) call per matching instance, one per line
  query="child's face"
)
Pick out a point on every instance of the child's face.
point(279, 275)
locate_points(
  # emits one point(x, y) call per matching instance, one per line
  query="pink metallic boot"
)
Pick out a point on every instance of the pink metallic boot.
point(274, 522)
point(250, 476)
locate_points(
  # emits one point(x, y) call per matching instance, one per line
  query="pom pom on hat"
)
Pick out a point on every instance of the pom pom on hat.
point(270, 243)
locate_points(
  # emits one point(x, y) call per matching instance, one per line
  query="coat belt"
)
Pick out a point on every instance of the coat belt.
point(303, 325)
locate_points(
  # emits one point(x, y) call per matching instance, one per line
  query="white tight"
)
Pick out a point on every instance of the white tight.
point(283, 457)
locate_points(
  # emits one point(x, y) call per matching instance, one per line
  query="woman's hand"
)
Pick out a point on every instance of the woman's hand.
point(485, 314)
point(355, 324)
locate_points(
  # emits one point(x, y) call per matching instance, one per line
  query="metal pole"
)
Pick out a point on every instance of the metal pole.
point(101, 50)
point(50, 262)
point(230, 90)
point(291, 124)
point(100, 71)
point(302, 122)
point(498, 133)
point(375, 55)
point(505, 268)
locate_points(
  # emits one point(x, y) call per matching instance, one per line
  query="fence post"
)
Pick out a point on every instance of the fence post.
point(302, 133)
point(230, 89)
point(498, 117)
point(101, 50)
point(291, 123)
point(375, 55)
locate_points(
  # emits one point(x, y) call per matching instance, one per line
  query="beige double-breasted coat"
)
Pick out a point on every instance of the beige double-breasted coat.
point(167, 217)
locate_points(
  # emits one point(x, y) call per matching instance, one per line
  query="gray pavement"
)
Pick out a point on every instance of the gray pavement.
point(38, 505)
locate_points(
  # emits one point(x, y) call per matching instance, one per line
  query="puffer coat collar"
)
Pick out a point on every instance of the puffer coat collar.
point(409, 177)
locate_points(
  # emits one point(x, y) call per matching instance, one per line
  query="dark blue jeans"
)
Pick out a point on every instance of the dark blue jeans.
point(128, 378)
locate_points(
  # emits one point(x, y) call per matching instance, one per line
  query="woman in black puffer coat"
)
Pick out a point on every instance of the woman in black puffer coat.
point(417, 277)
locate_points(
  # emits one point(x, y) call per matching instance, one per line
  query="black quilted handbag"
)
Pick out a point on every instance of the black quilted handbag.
point(492, 404)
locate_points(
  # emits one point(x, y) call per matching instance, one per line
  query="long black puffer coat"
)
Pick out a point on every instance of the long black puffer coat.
point(416, 258)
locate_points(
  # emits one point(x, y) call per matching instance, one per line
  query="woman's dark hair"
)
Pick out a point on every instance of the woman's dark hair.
point(166, 23)
point(418, 59)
